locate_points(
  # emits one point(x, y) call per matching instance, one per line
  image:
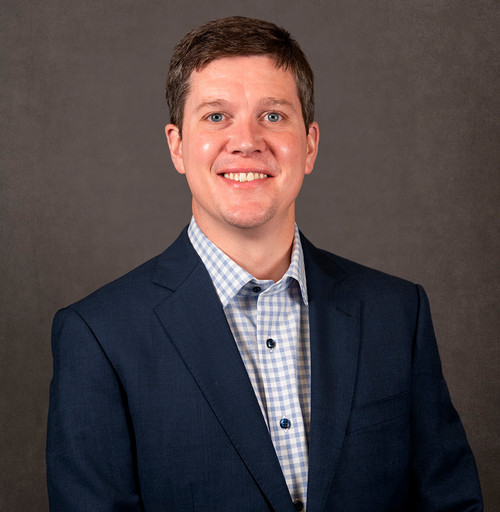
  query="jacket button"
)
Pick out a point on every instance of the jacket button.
point(298, 505)
point(285, 423)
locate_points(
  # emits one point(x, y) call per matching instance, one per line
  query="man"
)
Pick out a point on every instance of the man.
point(243, 369)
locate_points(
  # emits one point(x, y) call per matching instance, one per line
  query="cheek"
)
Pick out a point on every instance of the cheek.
point(205, 145)
point(200, 150)
point(290, 150)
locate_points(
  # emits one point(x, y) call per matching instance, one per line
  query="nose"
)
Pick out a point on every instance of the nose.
point(246, 138)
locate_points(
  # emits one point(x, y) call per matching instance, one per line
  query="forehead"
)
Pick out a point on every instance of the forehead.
point(250, 76)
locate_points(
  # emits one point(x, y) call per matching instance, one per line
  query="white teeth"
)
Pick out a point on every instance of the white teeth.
point(242, 177)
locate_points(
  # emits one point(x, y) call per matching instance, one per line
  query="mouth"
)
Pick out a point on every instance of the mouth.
point(243, 177)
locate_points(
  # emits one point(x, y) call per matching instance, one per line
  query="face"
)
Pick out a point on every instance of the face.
point(244, 148)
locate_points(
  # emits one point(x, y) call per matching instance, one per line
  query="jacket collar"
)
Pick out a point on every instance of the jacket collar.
point(334, 323)
point(195, 322)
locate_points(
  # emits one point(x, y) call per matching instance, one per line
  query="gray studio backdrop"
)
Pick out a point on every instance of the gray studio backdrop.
point(407, 179)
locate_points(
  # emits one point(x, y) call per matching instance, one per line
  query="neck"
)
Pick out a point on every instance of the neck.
point(264, 251)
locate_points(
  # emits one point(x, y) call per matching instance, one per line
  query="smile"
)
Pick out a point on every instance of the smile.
point(244, 176)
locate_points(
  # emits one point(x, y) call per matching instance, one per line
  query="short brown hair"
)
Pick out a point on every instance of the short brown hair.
point(234, 36)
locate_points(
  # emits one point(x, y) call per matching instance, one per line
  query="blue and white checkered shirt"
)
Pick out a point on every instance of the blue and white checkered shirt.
point(270, 324)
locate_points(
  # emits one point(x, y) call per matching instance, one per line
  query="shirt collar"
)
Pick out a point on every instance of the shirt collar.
point(229, 278)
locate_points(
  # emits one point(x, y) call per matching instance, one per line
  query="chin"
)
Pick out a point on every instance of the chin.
point(248, 220)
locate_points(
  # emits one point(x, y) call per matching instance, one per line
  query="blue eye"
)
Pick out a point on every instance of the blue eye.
point(216, 118)
point(273, 117)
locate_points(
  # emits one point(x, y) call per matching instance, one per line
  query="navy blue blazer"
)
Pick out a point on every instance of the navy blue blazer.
point(151, 408)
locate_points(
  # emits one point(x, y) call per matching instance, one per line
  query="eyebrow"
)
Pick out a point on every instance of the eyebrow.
point(219, 103)
point(215, 103)
point(271, 101)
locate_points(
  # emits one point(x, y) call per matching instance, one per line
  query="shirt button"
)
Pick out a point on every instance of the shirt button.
point(285, 423)
point(256, 289)
point(270, 343)
point(298, 505)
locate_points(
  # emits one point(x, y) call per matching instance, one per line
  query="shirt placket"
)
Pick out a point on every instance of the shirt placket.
point(277, 331)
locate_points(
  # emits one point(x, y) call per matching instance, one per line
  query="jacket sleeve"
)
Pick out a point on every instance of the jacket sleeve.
point(90, 446)
point(444, 475)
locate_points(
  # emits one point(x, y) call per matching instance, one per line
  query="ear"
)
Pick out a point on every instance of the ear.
point(312, 146)
point(174, 140)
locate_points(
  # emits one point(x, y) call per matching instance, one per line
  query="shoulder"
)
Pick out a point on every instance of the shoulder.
point(368, 284)
point(118, 298)
point(141, 288)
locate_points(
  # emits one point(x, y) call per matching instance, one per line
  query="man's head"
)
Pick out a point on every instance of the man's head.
point(246, 143)
point(230, 37)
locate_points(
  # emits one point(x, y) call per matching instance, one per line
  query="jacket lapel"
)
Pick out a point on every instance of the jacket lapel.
point(195, 322)
point(334, 319)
